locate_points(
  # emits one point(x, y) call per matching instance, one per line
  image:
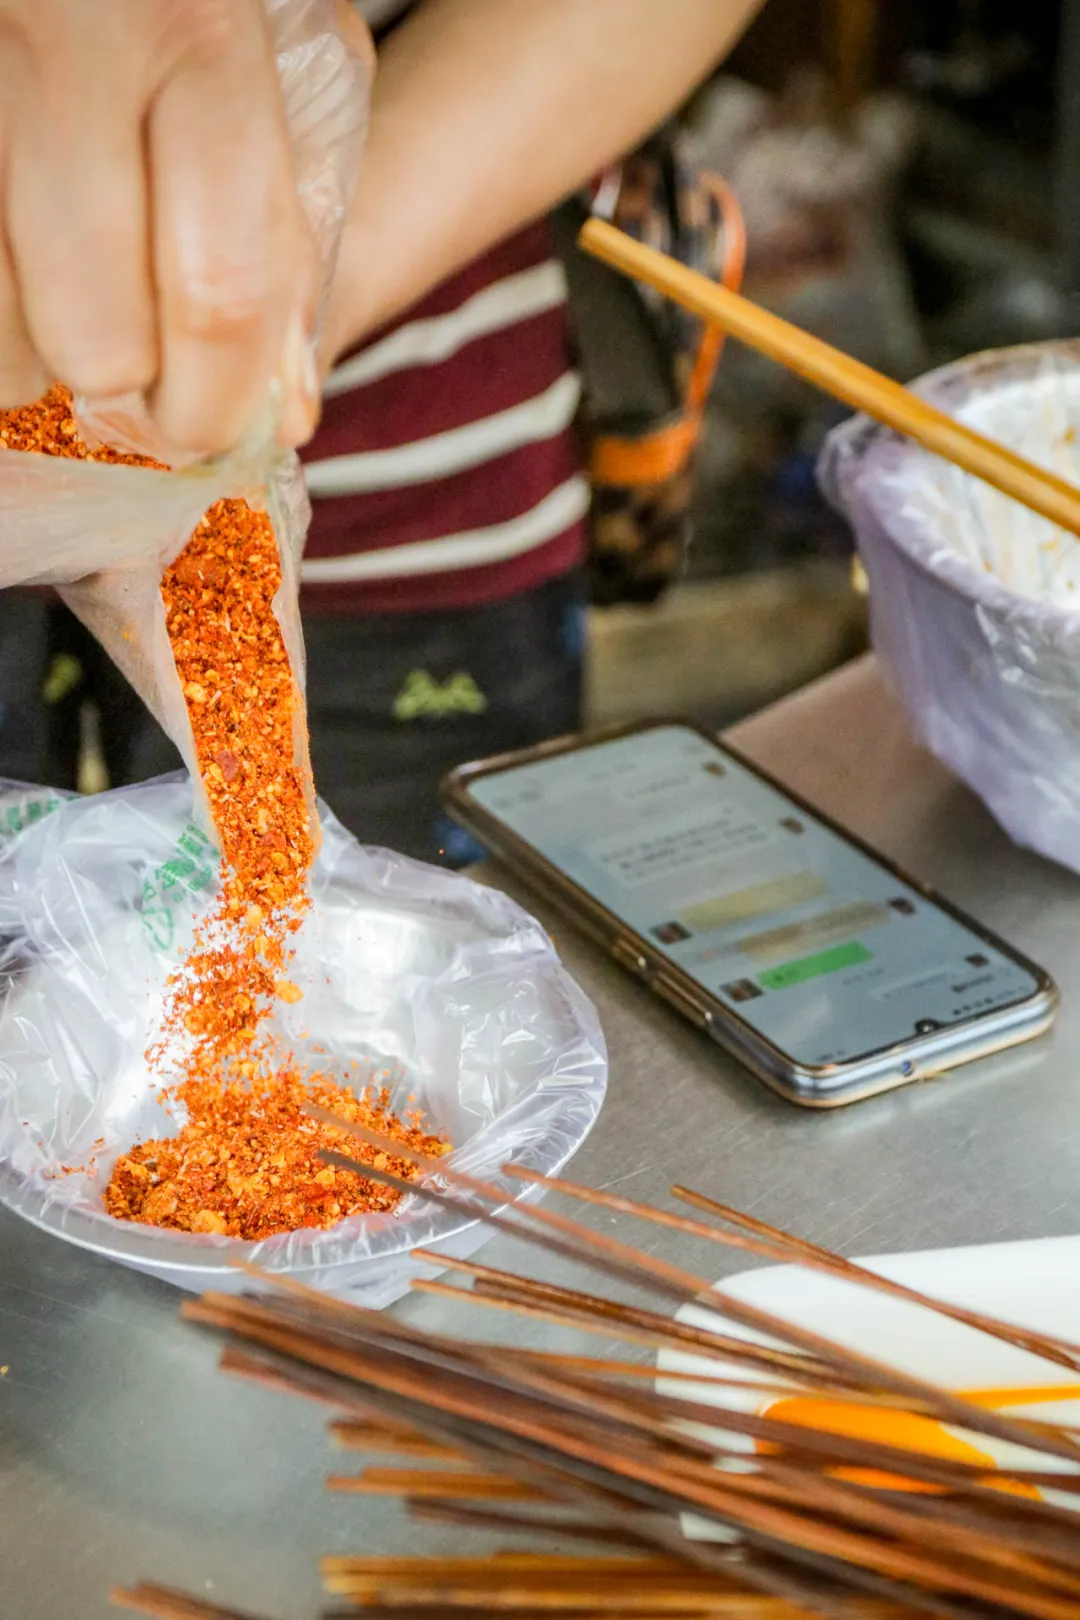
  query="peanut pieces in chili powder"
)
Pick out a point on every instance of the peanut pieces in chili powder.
point(246, 1160)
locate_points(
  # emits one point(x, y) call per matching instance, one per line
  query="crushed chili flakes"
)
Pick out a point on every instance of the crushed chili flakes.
point(49, 427)
point(243, 703)
point(246, 1160)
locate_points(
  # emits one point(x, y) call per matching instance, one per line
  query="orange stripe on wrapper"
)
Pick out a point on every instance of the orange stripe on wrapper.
point(912, 1433)
point(901, 1429)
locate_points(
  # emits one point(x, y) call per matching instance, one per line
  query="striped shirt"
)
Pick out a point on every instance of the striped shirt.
point(445, 471)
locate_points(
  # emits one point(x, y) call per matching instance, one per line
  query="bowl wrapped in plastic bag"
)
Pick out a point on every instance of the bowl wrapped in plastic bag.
point(416, 977)
point(974, 600)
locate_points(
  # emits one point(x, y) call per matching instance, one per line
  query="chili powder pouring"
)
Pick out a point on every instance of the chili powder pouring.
point(245, 1163)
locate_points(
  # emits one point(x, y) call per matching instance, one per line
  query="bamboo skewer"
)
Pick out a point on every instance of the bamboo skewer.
point(621, 1260)
point(354, 1434)
point(946, 1407)
point(783, 1486)
point(529, 1442)
point(162, 1603)
point(852, 1544)
point(840, 375)
point(812, 1255)
point(464, 1516)
point(461, 1486)
point(770, 1243)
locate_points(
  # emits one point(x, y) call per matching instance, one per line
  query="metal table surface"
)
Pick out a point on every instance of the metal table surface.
point(125, 1455)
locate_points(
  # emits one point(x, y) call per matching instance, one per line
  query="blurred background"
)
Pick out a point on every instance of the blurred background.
point(912, 194)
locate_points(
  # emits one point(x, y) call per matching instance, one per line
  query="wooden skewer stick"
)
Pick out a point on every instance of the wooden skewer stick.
point(678, 1597)
point(163, 1603)
point(495, 1565)
point(622, 1260)
point(584, 1604)
point(358, 1435)
point(504, 1521)
point(789, 1248)
point(772, 1243)
point(840, 375)
point(454, 1486)
point(629, 1461)
point(778, 1518)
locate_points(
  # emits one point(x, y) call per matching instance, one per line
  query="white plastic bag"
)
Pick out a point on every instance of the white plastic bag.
point(975, 601)
point(405, 968)
point(104, 534)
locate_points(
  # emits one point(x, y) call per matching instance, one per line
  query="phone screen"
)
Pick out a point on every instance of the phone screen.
point(811, 942)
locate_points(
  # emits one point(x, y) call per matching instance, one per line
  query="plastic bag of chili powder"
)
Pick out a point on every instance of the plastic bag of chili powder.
point(103, 534)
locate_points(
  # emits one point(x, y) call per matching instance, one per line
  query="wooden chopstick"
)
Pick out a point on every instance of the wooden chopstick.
point(840, 375)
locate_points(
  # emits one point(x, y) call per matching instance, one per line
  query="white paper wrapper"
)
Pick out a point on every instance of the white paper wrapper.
point(975, 601)
point(448, 986)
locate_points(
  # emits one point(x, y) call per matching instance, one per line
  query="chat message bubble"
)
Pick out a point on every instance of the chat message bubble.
point(714, 833)
point(813, 932)
point(781, 893)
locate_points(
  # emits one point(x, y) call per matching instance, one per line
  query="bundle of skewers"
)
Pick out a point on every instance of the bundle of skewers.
point(680, 1497)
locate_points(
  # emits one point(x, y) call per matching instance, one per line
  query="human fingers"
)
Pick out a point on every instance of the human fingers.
point(74, 197)
point(23, 377)
point(233, 259)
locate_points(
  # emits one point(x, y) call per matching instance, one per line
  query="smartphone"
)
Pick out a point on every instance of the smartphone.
point(827, 971)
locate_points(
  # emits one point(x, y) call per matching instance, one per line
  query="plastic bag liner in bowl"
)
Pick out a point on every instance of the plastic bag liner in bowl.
point(975, 601)
point(446, 987)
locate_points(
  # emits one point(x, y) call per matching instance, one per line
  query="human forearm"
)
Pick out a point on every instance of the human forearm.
point(485, 113)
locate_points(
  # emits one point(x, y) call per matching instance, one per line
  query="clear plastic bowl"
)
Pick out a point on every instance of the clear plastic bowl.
point(447, 985)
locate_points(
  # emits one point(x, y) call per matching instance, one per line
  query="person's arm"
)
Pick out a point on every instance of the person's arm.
point(487, 112)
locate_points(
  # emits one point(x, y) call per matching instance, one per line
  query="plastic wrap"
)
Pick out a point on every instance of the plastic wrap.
point(447, 987)
point(103, 534)
point(974, 600)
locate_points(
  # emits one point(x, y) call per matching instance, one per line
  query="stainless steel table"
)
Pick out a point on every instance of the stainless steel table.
point(124, 1455)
